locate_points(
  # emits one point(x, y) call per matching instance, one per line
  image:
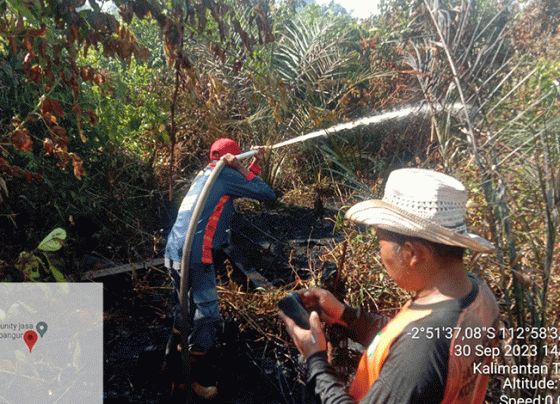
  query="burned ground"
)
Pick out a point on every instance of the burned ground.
point(255, 362)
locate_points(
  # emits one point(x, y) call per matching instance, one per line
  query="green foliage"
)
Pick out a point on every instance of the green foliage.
point(54, 85)
point(317, 76)
point(134, 112)
point(54, 241)
point(149, 35)
point(470, 56)
point(31, 264)
point(89, 95)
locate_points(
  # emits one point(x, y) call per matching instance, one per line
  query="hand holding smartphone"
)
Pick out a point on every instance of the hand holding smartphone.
point(293, 307)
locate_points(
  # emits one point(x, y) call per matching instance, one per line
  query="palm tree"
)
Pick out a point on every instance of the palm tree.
point(465, 54)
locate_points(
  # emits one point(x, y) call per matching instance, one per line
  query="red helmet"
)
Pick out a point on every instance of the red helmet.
point(222, 147)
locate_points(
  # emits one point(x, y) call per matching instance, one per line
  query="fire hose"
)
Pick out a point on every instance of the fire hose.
point(184, 292)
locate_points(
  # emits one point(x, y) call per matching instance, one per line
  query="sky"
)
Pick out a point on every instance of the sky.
point(357, 8)
point(361, 8)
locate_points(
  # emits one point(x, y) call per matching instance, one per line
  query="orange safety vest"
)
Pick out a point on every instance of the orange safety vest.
point(476, 327)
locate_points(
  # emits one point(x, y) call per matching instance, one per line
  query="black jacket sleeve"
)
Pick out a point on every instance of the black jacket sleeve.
point(414, 372)
point(323, 381)
point(363, 326)
point(321, 377)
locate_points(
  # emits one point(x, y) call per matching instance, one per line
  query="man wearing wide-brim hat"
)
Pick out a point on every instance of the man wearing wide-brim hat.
point(430, 351)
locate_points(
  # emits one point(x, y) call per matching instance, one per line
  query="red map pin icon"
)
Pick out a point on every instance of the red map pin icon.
point(30, 338)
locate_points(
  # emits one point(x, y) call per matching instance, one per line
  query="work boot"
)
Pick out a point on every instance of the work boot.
point(171, 369)
point(200, 370)
point(205, 393)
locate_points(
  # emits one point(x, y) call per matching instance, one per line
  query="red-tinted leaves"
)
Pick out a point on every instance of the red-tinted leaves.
point(52, 105)
point(38, 32)
point(77, 163)
point(59, 132)
point(92, 117)
point(21, 140)
point(48, 145)
point(36, 74)
point(77, 111)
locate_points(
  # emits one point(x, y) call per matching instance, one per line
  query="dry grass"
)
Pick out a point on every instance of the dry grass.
point(361, 280)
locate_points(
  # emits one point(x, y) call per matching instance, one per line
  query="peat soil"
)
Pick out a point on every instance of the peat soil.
point(279, 244)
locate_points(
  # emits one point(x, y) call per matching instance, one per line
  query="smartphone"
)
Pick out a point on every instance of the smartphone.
point(293, 307)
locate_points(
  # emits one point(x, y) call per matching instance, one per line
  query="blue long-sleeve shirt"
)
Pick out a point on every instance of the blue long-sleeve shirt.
point(217, 214)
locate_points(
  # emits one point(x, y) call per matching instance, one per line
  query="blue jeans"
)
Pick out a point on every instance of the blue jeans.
point(206, 318)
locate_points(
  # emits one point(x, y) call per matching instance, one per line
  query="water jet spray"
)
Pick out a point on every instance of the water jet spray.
point(184, 294)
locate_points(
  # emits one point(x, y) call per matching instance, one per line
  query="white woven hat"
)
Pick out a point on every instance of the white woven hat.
point(422, 203)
